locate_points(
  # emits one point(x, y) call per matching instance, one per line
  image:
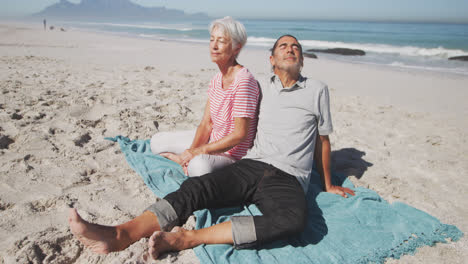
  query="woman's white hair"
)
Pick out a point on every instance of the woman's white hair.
point(233, 28)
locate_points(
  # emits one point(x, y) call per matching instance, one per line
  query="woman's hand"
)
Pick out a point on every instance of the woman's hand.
point(187, 156)
point(182, 159)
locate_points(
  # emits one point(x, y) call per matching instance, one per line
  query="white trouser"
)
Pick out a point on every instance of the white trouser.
point(178, 141)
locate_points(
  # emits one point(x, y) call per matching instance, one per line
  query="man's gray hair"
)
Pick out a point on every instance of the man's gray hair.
point(233, 28)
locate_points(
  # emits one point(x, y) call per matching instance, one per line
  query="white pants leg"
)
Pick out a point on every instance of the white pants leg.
point(175, 141)
point(205, 163)
point(178, 141)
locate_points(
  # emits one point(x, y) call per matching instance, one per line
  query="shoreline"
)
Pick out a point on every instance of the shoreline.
point(398, 65)
point(401, 134)
point(453, 108)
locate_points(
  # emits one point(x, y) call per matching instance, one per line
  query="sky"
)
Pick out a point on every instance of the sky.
point(366, 10)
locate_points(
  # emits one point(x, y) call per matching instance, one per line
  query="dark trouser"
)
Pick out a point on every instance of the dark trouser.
point(278, 195)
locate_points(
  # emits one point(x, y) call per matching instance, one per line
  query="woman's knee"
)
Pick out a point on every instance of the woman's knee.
point(171, 141)
point(160, 142)
point(199, 165)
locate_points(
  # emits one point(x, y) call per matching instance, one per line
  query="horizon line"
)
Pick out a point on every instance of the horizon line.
point(375, 20)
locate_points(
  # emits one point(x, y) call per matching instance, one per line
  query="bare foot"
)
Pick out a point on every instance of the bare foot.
point(161, 242)
point(98, 238)
point(178, 229)
point(172, 156)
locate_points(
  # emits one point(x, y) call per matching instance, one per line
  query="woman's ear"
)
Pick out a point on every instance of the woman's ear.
point(237, 50)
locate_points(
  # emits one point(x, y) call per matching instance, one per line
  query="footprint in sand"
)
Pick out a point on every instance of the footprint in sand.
point(47, 246)
point(5, 205)
point(5, 141)
point(82, 140)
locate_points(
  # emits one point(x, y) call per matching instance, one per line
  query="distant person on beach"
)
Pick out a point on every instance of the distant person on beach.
point(228, 126)
point(45, 24)
point(294, 123)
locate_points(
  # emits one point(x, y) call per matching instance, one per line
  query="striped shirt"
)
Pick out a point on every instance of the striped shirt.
point(239, 100)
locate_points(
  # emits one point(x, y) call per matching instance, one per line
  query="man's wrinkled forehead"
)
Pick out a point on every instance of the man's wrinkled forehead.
point(282, 41)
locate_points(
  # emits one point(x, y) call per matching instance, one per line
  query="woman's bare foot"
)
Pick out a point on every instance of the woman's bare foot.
point(161, 242)
point(98, 238)
point(172, 156)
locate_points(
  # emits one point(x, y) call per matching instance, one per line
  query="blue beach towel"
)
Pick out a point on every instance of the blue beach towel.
point(361, 229)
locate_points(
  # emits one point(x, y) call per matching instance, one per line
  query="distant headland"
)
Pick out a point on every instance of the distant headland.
point(113, 10)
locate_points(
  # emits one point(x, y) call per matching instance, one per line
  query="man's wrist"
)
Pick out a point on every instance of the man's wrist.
point(328, 186)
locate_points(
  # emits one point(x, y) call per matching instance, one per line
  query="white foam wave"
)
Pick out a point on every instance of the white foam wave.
point(412, 51)
point(260, 41)
point(143, 26)
point(146, 36)
point(462, 71)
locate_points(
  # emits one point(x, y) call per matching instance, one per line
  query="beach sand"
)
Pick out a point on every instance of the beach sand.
point(402, 133)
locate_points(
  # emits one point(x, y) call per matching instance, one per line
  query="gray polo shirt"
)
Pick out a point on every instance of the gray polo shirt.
point(289, 120)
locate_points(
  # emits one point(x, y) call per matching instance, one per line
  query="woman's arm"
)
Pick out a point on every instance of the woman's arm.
point(241, 127)
point(202, 136)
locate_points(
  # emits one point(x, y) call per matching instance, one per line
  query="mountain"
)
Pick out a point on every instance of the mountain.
point(112, 10)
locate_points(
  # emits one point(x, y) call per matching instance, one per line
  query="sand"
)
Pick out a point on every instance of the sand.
point(402, 133)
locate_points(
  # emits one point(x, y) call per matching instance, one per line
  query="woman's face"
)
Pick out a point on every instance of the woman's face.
point(221, 47)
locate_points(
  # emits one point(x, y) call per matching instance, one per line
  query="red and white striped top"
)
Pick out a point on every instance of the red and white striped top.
point(239, 100)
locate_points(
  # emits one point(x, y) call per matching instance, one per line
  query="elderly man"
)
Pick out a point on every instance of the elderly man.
point(294, 123)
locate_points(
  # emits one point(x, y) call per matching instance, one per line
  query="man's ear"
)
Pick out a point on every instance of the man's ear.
point(272, 61)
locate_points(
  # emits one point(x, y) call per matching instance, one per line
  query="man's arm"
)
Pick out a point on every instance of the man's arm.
point(322, 161)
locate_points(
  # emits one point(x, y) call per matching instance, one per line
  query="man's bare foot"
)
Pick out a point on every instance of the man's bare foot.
point(161, 242)
point(176, 229)
point(98, 238)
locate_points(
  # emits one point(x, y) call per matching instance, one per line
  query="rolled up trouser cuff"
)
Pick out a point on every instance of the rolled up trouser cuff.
point(243, 231)
point(167, 217)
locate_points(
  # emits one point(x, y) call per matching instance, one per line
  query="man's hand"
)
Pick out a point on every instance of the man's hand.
point(343, 191)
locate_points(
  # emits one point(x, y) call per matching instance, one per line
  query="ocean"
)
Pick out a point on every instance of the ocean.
point(424, 46)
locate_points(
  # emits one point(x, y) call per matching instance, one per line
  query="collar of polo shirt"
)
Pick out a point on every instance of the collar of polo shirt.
point(300, 84)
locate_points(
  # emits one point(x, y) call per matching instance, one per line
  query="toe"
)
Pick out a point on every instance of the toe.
point(176, 229)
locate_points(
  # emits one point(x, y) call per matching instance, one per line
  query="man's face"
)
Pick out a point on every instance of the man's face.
point(287, 56)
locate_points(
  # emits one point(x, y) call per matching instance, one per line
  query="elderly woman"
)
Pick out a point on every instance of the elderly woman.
point(229, 122)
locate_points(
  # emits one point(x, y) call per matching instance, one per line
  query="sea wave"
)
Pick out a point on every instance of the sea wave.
point(456, 70)
point(147, 36)
point(412, 51)
point(140, 26)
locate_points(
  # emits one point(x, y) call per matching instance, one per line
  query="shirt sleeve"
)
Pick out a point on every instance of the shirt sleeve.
point(325, 126)
point(246, 98)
